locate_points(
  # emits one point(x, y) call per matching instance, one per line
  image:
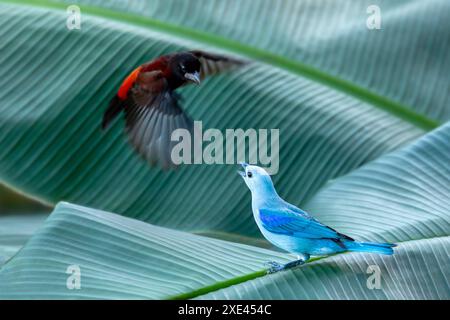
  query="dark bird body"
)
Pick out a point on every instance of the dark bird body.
point(151, 107)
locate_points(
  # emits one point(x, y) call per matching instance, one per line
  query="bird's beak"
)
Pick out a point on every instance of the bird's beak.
point(242, 173)
point(194, 77)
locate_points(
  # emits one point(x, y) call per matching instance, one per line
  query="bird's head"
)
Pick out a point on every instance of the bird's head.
point(186, 67)
point(256, 178)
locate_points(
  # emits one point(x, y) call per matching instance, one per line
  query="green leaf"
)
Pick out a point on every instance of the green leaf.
point(338, 106)
point(389, 205)
point(122, 258)
point(401, 196)
point(15, 230)
point(403, 64)
point(418, 270)
point(56, 84)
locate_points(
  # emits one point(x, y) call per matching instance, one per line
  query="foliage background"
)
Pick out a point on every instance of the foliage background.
point(364, 147)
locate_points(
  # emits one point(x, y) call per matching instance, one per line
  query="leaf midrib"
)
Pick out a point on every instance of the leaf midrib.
point(228, 283)
point(398, 109)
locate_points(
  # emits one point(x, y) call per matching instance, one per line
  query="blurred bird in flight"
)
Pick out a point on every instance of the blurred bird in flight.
point(294, 230)
point(151, 107)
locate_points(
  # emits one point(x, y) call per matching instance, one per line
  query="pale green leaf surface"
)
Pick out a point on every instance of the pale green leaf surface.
point(56, 83)
point(405, 61)
point(418, 270)
point(15, 230)
point(404, 195)
point(122, 258)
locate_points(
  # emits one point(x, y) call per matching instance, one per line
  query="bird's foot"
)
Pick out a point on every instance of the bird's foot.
point(273, 267)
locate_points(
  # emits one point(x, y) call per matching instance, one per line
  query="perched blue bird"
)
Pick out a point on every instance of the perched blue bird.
point(294, 230)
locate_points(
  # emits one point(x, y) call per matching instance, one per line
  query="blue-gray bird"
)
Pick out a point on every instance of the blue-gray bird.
point(294, 230)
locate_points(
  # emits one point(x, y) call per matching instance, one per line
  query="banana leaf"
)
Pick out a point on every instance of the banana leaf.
point(15, 230)
point(353, 107)
point(404, 61)
point(57, 82)
point(121, 258)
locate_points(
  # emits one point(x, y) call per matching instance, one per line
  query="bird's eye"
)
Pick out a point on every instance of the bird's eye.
point(249, 174)
point(182, 67)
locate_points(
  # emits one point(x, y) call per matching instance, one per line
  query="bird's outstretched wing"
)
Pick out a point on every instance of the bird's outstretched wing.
point(298, 224)
point(151, 115)
point(152, 111)
point(212, 64)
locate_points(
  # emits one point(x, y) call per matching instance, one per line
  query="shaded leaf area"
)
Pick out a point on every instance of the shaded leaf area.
point(405, 61)
point(13, 201)
point(404, 195)
point(53, 148)
point(15, 230)
point(122, 258)
point(418, 270)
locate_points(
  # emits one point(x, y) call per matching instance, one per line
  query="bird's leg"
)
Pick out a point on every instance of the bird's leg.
point(300, 260)
point(294, 263)
point(275, 266)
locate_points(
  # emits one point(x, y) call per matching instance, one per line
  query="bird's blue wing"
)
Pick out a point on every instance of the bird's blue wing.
point(299, 224)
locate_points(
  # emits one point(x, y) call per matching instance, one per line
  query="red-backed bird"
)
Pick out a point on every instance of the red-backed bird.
point(151, 107)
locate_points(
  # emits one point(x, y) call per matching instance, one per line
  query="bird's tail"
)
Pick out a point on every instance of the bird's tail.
point(382, 248)
point(115, 107)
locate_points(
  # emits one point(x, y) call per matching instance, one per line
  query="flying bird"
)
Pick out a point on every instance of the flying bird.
point(151, 106)
point(294, 230)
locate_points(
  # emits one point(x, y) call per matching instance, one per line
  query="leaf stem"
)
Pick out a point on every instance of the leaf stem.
point(230, 282)
point(219, 285)
point(399, 110)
